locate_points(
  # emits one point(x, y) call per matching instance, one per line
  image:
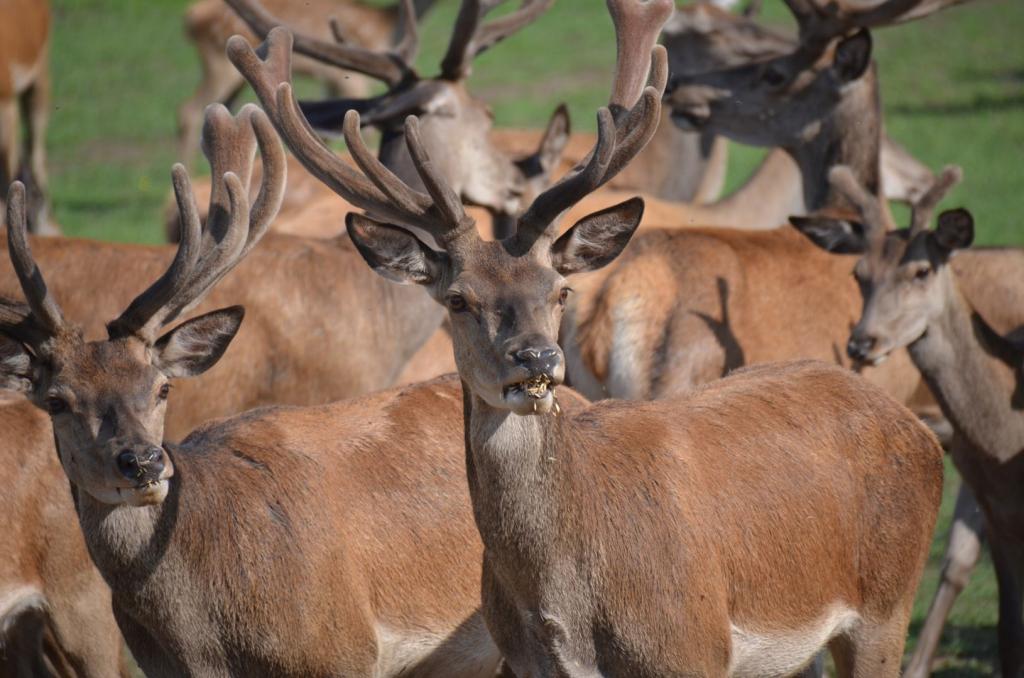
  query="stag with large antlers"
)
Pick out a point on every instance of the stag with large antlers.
point(209, 24)
point(261, 545)
point(912, 299)
point(642, 539)
point(456, 125)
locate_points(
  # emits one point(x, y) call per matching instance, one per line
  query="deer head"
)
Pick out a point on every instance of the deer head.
point(903, 274)
point(107, 398)
point(504, 297)
point(454, 125)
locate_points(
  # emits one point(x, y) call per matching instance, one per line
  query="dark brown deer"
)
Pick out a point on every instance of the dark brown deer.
point(642, 539)
point(285, 541)
point(25, 90)
point(913, 299)
point(209, 24)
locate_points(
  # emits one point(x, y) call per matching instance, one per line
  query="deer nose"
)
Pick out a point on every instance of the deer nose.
point(859, 347)
point(136, 463)
point(538, 360)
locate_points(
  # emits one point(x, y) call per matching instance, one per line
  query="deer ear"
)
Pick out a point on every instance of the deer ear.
point(853, 56)
point(393, 252)
point(955, 230)
point(595, 240)
point(16, 369)
point(555, 139)
point(838, 236)
point(196, 345)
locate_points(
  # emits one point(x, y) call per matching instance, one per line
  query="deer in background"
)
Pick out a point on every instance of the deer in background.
point(209, 24)
point(913, 299)
point(25, 92)
point(750, 562)
point(260, 545)
point(55, 618)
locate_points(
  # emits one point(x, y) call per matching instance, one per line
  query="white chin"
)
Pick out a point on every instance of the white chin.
point(144, 496)
point(877, 360)
point(523, 404)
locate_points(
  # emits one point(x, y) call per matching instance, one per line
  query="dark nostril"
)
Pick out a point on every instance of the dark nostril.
point(859, 347)
point(128, 464)
point(525, 355)
point(151, 455)
point(549, 354)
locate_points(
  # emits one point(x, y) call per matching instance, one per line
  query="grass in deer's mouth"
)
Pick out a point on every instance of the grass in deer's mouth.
point(534, 387)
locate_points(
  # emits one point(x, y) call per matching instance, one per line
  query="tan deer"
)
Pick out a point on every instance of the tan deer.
point(284, 541)
point(25, 89)
point(913, 299)
point(55, 616)
point(209, 24)
point(709, 535)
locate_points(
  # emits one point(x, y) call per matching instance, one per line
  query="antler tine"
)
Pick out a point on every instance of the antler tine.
point(46, 311)
point(408, 46)
point(446, 200)
point(389, 68)
point(203, 258)
point(637, 26)
point(842, 178)
point(921, 213)
point(456, 61)
point(820, 23)
point(494, 32)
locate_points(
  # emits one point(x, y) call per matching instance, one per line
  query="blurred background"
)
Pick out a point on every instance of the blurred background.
point(952, 89)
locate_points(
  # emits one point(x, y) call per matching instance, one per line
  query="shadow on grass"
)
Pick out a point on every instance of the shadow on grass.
point(965, 651)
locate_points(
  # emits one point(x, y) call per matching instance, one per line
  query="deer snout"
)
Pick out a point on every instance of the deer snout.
point(539, 359)
point(860, 345)
point(141, 462)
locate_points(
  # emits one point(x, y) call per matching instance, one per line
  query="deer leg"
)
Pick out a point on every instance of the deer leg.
point(872, 650)
point(1008, 559)
point(962, 554)
point(8, 144)
point(220, 84)
point(36, 109)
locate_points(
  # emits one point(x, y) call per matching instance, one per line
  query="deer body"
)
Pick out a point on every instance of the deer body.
point(295, 542)
point(55, 617)
point(279, 355)
point(699, 584)
point(25, 87)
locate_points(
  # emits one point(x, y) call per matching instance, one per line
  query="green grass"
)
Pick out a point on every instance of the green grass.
point(953, 89)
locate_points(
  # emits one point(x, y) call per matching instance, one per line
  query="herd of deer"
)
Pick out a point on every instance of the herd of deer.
point(738, 482)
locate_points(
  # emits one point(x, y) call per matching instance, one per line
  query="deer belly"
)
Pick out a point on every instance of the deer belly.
point(460, 655)
point(784, 652)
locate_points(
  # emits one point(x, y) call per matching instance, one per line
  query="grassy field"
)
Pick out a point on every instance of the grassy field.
point(953, 89)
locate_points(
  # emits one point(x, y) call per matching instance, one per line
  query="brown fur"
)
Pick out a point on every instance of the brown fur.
point(69, 630)
point(25, 88)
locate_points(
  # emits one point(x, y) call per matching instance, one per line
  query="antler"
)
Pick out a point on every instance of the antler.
point(922, 210)
point(820, 21)
point(46, 319)
point(624, 133)
point(375, 189)
point(867, 205)
point(232, 228)
point(392, 68)
point(470, 37)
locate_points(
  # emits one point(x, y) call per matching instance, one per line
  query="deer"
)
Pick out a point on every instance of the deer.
point(592, 521)
point(913, 299)
point(55, 614)
point(25, 92)
point(209, 23)
point(336, 552)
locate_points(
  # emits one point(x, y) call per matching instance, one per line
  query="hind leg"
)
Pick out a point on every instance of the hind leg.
point(36, 109)
point(1008, 559)
point(872, 649)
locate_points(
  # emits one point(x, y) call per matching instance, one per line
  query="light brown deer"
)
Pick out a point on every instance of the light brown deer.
point(209, 24)
point(709, 535)
point(284, 541)
point(25, 91)
point(913, 299)
point(55, 616)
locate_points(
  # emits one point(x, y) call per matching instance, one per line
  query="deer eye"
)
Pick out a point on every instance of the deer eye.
point(563, 295)
point(457, 303)
point(922, 273)
point(55, 405)
point(165, 391)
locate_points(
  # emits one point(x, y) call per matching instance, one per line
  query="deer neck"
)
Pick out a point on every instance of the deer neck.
point(972, 371)
point(513, 465)
point(851, 136)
